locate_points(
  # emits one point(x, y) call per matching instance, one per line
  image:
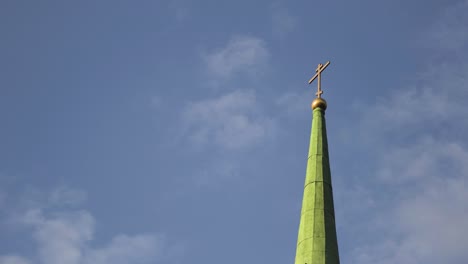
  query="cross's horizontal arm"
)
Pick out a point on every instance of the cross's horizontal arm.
point(318, 72)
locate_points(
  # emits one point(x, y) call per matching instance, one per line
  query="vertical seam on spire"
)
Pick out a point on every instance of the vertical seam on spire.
point(315, 122)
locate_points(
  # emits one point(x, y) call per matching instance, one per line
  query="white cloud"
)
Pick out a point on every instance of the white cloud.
point(422, 164)
point(13, 260)
point(439, 99)
point(436, 218)
point(64, 237)
point(61, 238)
point(242, 54)
point(423, 160)
point(436, 106)
point(232, 121)
point(420, 205)
point(428, 225)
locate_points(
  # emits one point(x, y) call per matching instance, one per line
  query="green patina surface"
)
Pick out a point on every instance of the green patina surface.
point(317, 243)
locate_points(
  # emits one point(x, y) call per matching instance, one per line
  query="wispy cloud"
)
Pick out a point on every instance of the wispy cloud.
point(429, 223)
point(13, 260)
point(64, 236)
point(241, 55)
point(438, 101)
point(425, 160)
point(422, 161)
point(232, 121)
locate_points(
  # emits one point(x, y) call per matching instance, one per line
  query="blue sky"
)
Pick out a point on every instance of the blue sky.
point(175, 131)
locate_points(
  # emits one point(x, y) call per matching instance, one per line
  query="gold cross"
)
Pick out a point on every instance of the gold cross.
point(319, 70)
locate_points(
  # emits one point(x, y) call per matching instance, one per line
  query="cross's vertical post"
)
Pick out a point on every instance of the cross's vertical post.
point(320, 68)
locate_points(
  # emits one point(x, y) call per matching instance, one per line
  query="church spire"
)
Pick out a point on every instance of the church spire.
point(317, 242)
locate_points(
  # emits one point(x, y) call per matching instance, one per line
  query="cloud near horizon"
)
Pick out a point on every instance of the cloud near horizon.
point(422, 164)
point(64, 236)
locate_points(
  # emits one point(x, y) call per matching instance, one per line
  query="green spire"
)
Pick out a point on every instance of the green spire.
point(317, 243)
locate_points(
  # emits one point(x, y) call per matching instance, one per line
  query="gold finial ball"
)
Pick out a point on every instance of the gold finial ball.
point(319, 102)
